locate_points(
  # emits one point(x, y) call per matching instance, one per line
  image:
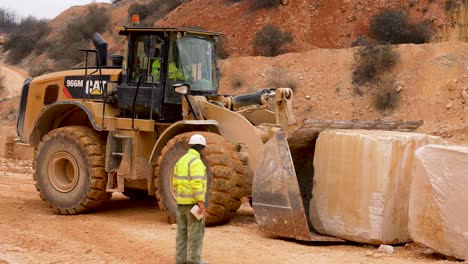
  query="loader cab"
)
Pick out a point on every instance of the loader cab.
point(157, 58)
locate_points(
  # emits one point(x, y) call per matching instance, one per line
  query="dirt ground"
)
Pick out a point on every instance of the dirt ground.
point(126, 231)
point(13, 81)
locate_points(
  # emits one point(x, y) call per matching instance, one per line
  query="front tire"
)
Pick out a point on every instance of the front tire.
point(224, 182)
point(70, 174)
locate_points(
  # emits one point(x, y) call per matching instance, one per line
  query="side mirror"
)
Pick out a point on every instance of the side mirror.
point(181, 88)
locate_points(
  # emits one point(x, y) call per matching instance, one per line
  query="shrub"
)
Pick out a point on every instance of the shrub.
point(450, 4)
point(22, 40)
point(269, 41)
point(38, 70)
point(153, 10)
point(372, 61)
point(139, 9)
point(78, 35)
point(385, 96)
point(360, 41)
point(391, 27)
point(42, 46)
point(278, 77)
point(20, 46)
point(258, 4)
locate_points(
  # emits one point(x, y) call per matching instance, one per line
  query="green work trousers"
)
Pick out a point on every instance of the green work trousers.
point(190, 232)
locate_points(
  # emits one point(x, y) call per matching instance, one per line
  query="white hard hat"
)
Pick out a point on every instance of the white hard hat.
point(197, 139)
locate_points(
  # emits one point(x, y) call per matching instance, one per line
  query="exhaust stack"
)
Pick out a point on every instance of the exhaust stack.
point(101, 46)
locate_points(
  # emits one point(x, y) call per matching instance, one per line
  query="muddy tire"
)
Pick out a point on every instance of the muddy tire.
point(225, 177)
point(70, 174)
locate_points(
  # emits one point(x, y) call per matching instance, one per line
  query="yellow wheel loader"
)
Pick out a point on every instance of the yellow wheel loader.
point(121, 127)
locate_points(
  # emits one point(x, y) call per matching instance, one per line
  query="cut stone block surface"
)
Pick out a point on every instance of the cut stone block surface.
point(438, 208)
point(362, 182)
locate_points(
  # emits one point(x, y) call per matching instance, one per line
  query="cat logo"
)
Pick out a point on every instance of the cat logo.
point(94, 86)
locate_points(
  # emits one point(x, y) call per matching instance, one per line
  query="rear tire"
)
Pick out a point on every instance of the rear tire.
point(225, 177)
point(70, 174)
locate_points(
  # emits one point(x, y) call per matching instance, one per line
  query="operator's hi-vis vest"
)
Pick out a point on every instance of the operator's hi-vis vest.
point(174, 73)
point(190, 178)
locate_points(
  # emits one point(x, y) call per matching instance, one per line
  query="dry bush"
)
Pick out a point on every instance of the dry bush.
point(258, 4)
point(372, 61)
point(38, 70)
point(451, 4)
point(278, 77)
point(23, 38)
point(152, 11)
point(141, 10)
point(269, 41)
point(360, 41)
point(385, 95)
point(78, 35)
point(392, 27)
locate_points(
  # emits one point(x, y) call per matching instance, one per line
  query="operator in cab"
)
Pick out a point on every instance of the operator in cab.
point(174, 74)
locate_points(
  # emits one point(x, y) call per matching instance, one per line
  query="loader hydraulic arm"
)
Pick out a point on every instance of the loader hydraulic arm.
point(280, 99)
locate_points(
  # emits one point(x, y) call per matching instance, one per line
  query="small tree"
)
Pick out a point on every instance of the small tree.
point(8, 20)
point(270, 41)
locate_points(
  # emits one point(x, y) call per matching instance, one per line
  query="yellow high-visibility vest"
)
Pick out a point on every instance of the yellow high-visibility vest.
point(174, 73)
point(190, 178)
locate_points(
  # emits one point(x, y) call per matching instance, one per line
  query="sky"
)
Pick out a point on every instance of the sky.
point(42, 8)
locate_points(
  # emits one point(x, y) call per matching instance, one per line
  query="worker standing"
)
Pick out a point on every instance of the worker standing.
point(190, 186)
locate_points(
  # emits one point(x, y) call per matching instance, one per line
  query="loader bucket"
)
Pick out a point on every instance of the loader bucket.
point(277, 201)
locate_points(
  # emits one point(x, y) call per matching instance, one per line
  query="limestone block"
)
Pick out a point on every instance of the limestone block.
point(6, 132)
point(361, 184)
point(438, 205)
